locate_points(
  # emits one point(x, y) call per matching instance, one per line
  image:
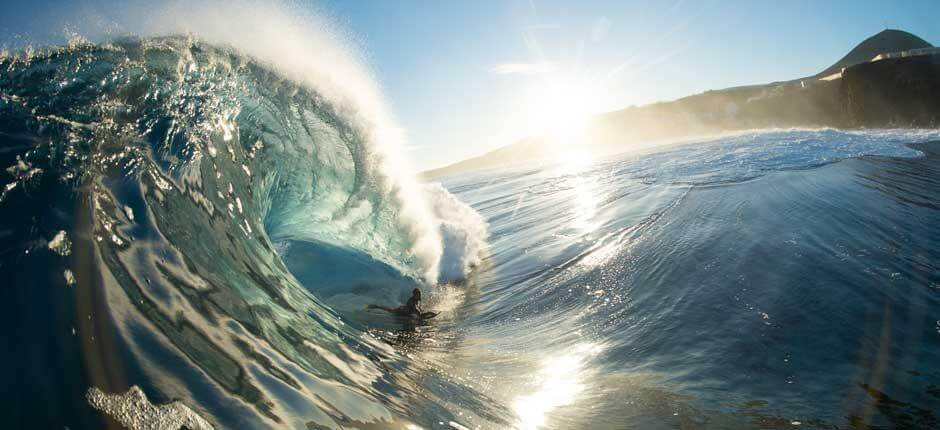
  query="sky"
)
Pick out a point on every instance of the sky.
point(465, 77)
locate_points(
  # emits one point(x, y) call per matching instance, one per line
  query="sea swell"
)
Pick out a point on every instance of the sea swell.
point(765, 279)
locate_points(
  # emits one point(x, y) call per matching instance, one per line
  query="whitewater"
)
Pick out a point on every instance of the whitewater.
point(194, 215)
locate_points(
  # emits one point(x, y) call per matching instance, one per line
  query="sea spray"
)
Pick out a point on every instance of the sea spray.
point(462, 229)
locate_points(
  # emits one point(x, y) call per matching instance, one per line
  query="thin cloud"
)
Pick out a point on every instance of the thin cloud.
point(524, 68)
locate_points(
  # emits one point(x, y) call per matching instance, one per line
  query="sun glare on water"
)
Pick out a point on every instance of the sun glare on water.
point(561, 380)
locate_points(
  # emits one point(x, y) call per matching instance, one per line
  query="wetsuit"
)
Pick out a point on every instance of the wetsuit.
point(411, 308)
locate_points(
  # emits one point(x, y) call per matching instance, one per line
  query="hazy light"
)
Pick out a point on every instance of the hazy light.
point(571, 160)
point(558, 108)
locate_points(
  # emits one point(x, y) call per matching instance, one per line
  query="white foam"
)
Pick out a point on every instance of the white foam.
point(60, 244)
point(463, 233)
point(69, 277)
point(134, 411)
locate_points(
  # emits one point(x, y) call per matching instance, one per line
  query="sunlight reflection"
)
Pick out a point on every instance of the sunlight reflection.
point(561, 379)
point(574, 163)
point(585, 205)
point(601, 254)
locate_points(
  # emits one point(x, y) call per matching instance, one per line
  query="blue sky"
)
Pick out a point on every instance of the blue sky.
point(459, 75)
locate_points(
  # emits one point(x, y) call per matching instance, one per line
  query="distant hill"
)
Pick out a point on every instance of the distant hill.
point(526, 149)
point(886, 41)
point(893, 92)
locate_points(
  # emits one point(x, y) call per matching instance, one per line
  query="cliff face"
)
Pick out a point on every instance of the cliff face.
point(902, 92)
point(811, 103)
point(897, 92)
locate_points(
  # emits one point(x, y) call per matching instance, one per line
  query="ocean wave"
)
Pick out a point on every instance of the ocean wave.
point(315, 173)
point(178, 168)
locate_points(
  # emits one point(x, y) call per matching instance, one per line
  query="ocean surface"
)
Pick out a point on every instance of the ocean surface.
point(190, 234)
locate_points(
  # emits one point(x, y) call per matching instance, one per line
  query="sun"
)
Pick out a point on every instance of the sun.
point(559, 108)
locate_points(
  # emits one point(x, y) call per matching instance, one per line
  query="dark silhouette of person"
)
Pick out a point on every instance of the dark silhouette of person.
point(411, 308)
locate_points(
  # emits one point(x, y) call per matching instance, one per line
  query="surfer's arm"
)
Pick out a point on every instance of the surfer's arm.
point(384, 308)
